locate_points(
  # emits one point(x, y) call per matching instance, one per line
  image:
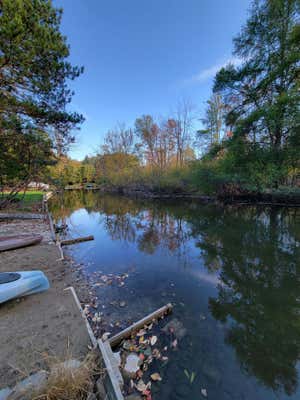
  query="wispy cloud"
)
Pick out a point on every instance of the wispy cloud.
point(211, 71)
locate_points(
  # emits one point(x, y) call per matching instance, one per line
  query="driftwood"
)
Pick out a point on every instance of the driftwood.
point(115, 340)
point(77, 240)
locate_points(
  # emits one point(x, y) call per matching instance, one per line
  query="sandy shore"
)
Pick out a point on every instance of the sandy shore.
point(41, 328)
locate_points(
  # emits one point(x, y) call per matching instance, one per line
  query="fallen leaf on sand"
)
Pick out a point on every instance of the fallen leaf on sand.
point(153, 340)
point(155, 376)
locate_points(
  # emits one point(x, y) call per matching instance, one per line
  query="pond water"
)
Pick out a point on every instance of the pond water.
point(232, 273)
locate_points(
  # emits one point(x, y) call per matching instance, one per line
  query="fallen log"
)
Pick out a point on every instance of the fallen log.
point(8, 216)
point(116, 339)
point(76, 240)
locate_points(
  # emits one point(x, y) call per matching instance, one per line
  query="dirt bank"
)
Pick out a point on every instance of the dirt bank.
point(38, 327)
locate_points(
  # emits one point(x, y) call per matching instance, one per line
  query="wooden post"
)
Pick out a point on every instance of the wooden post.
point(76, 240)
point(115, 340)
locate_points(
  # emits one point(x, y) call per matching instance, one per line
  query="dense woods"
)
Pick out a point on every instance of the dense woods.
point(250, 132)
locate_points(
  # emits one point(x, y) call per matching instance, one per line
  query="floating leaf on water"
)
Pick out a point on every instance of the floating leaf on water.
point(132, 363)
point(145, 367)
point(153, 340)
point(204, 392)
point(156, 353)
point(141, 387)
point(141, 339)
point(127, 345)
point(192, 377)
point(105, 336)
point(148, 352)
point(155, 376)
point(142, 332)
point(147, 393)
point(149, 360)
point(139, 373)
point(148, 396)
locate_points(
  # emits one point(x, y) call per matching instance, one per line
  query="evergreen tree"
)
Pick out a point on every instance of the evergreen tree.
point(34, 93)
point(263, 92)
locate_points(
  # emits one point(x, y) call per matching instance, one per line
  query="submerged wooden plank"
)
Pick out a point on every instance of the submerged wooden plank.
point(114, 363)
point(115, 340)
point(111, 382)
point(76, 240)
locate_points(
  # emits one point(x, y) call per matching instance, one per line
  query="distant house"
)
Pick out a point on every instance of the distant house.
point(39, 185)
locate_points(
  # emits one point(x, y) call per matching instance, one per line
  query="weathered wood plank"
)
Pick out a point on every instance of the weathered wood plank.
point(21, 216)
point(112, 387)
point(76, 240)
point(126, 333)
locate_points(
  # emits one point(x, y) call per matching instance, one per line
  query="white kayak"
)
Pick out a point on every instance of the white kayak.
point(21, 283)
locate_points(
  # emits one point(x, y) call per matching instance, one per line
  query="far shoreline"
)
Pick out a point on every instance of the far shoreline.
point(271, 198)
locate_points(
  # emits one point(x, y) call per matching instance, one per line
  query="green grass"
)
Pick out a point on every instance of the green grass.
point(31, 200)
point(31, 196)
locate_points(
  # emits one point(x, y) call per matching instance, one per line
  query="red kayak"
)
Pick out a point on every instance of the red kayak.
point(17, 241)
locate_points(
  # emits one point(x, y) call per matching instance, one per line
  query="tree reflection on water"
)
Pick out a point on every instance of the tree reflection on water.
point(259, 297)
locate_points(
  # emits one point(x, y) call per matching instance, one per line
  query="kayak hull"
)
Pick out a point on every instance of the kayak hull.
point(16, 241)
point(29, 282)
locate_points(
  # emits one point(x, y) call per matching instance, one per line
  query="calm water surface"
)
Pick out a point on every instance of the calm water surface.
point(232, 273)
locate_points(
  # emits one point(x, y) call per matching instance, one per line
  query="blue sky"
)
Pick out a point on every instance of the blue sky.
point(141, 57)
